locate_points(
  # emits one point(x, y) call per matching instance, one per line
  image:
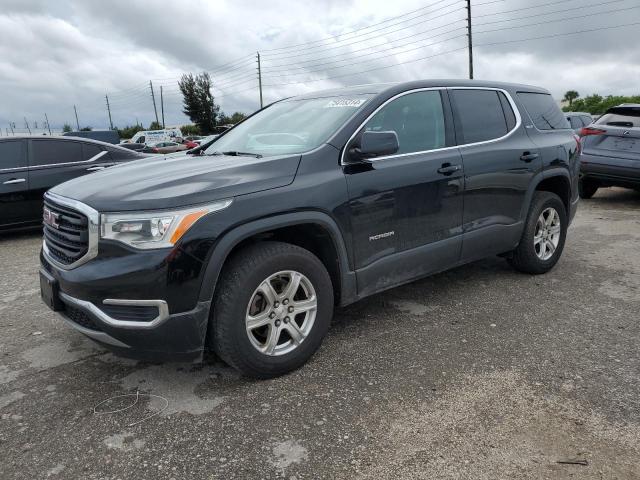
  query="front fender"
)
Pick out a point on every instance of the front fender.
point(232, 238)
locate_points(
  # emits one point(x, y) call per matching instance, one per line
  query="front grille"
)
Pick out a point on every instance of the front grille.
point(81, 318)
point(68, 240)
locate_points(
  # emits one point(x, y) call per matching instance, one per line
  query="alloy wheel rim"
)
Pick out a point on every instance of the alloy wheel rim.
point(281, 313)
point(547, 234)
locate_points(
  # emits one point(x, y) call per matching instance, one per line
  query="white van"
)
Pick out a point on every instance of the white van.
point(154, 136)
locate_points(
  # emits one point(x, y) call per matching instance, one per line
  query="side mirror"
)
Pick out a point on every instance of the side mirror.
point(376, 144)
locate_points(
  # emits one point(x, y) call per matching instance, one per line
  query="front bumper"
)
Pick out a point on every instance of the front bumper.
point(129, 304)
point(169, 337)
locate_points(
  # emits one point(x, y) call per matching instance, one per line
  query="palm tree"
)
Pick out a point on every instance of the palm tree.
point(570, 96)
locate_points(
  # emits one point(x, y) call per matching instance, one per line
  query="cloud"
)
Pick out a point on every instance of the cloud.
point(54, 55)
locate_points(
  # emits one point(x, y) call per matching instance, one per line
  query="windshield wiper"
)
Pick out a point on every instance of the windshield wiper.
point(234, 153)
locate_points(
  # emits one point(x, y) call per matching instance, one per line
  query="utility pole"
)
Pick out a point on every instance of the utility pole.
point(153, 97)
point(162, 105)
point(470, 38)
point(27, 125)
point(48, 126)
point(76, 112)
point(259, 78)
point(109, 111)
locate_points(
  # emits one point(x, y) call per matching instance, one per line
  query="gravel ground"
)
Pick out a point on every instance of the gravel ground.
point(477, 373)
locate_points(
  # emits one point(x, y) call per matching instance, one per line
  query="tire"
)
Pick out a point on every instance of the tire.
point(528, 257)
point(243, 290)
point(587, 188)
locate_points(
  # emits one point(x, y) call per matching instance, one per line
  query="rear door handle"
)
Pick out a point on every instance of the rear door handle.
point(14, 181)
point(448, 169)
point(528, 156)
point(95, 169)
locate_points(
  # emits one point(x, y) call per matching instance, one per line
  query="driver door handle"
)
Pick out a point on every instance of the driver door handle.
point(448, 169)
point(14, 181)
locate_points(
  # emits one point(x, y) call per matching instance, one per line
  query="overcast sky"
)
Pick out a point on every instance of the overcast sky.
point(54, 54)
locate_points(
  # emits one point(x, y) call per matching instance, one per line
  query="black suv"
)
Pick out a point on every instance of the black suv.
point(29, 166)
point(314, 201)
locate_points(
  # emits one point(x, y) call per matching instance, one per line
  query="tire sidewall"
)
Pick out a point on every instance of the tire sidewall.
point(310, 267)
point(549, 200)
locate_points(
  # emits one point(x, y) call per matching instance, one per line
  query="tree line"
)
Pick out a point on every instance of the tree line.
point(595, 104)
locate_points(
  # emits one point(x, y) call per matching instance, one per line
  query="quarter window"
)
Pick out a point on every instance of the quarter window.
point(417, 118)
point(89, 151)
point(12, 154)
point(50, 152)
point(575, 122)
point(480, 115)
point(544, 111)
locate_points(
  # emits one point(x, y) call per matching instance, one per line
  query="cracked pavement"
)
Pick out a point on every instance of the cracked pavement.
point(479, 372)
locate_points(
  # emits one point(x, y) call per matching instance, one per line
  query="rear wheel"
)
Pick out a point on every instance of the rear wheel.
point(544, 235)
point(272, 309)
point(587, 188)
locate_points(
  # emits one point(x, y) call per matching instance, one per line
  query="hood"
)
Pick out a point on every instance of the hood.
point(168, 182)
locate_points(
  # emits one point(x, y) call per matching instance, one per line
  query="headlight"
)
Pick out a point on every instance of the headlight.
point(154, 229)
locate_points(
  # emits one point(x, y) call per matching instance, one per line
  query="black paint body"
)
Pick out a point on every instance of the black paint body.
point(439, 220)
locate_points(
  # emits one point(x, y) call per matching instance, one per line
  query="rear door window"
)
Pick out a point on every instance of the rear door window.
point(417, 118)
point(52, 152)
point(481, 115)
point(12, 154)
point(544, 111)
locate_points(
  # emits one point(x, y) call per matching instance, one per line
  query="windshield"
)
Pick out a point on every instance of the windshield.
point(290, 126)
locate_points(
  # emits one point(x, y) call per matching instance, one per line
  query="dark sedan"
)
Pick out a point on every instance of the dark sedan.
point(29, 166)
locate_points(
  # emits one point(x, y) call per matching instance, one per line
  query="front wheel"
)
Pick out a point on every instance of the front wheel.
point(271, 310)
point(544, 235)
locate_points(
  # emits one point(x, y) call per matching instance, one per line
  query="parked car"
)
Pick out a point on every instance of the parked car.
point(206, 140)
point(578, 120)
point(107, 136)
point(611, 151)
point(136, 147)
point(314, 201)
point(154, 136)
point(164, 147)
point(29, 166)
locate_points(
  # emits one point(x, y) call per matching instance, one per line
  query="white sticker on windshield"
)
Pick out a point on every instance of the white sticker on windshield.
point(345, 102)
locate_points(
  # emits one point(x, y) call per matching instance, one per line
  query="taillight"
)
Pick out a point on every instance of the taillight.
point(578, 144)
point(586, 131)
point(155, 150)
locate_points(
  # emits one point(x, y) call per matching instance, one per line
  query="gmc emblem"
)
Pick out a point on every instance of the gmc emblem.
point(50, 218)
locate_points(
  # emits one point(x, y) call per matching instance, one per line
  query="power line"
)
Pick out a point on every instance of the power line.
point(558, 34)
point(371, 69)
point(573, 17)
point(374, 46)
point(557, 2)
point(353, 31)
point(599, 4)
point(379, 58)
point(334, 47)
